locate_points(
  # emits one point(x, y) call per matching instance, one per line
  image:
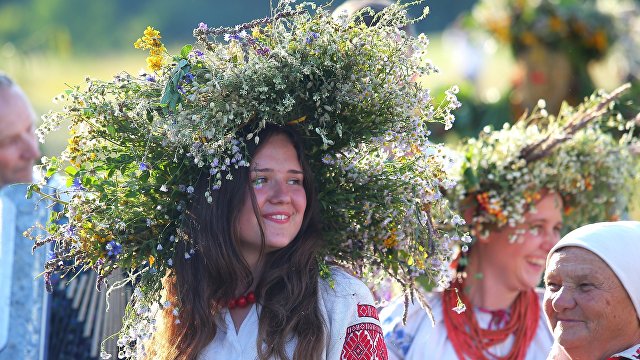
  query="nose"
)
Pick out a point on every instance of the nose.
point(550, 239)
point(562, 300)
point(280, 193)
point(30, 150)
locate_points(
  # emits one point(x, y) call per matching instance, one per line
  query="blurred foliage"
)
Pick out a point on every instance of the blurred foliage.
point(97, 27)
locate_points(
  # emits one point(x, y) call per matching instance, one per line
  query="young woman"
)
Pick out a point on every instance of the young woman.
point(520, 188)
point(194, 179)
point(502, 317)
point(254, 290)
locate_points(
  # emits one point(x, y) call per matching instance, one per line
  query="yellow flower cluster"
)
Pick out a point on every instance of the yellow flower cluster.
point(151, 41)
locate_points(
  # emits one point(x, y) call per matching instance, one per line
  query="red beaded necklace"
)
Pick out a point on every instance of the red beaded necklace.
point(242, 301)
point(471, 341)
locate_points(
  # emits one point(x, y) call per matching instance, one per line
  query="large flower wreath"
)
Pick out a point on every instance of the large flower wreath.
point(138, 142)
point(585, 154)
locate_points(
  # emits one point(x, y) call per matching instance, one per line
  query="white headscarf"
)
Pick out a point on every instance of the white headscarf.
point(618, 245)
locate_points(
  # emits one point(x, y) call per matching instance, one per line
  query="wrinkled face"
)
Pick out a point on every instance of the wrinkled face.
point(519, 264)
point(277, 181)
point(18, 145)
point(588, 309)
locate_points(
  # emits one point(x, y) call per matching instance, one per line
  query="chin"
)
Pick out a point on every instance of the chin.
point(570, 339)
point(277, 244)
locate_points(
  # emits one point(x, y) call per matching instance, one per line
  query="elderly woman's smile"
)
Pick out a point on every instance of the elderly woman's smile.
point(585, 301)
point(590, 292)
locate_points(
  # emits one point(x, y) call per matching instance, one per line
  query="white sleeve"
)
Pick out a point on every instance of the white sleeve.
point(354, 330)
point(400, 337)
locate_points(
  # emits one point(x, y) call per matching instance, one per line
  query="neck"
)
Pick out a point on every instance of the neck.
point(483, 286)
point(255, 265)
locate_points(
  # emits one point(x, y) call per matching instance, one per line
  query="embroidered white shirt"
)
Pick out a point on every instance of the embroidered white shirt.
point(419, 339)
point(347, 308)
point(631, 353)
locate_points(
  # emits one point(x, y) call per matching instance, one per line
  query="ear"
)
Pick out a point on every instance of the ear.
point(482, 235)
point(468, 207)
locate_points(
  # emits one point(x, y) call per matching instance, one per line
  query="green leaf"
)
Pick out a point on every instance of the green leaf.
point(111, 129)
point(71, 171)
point(184, 52)
point(471, 178)
point(131, 194)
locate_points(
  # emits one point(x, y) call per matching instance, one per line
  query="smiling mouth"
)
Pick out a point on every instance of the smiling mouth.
point(278, 218)
point(537, 262)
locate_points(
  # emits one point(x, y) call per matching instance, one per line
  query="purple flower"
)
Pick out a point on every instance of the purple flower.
point(237, 36)
point(150, 78)
point(70, 231)
point(202, 26)
point(113, 249)
point(181, 90)
point(188, 78)
point(77, 185)
point(144, 167)
point(51, 255)
point(311, 36)
point(263, 51)
point(196, 54)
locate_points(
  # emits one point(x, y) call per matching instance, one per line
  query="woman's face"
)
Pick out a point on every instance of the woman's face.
point(588, 309)
point(519, 265)
point(277, 180)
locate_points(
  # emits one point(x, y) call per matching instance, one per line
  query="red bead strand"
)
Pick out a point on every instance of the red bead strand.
point(242, 301)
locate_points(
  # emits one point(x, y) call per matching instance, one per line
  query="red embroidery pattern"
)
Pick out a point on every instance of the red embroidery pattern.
point(367, 311)
point(364, 341)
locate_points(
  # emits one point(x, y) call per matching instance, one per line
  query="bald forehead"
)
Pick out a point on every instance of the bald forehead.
point(15, 106)
point(13, 94)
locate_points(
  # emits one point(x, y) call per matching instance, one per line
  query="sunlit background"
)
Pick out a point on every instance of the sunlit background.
point(49, 45)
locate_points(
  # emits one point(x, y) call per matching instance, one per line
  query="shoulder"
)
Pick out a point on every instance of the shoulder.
point(351, 318)
point(399, 336)
point(342, 287)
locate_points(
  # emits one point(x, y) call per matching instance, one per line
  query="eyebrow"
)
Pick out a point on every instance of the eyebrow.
point(543, 220)
point(291, 171)
point(577, 276)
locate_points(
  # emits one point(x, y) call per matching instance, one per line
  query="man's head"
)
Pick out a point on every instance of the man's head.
point(18, 144)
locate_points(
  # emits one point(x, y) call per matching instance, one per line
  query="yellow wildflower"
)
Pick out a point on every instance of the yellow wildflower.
point(151, 41)
point(391, 241)
point(154, 63)
point(599, 41)
point(528, 38)
point(556, 24)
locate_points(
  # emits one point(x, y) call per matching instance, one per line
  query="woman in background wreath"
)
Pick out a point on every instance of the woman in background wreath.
point(206, 180)
point(519, 188)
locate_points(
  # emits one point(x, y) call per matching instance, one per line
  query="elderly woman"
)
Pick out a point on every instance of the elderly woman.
point(592, 296)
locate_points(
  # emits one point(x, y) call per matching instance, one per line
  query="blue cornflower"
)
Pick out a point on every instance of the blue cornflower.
point(238, 36)
point(113, 249)
point(143, 166)
point(188, 78)
point(51, 255)
point(311, 36)
point(77, 185)
point(196, 53)
point(150, 78)
point(203, 26)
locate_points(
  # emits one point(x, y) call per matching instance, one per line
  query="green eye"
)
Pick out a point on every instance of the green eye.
point(258, 182)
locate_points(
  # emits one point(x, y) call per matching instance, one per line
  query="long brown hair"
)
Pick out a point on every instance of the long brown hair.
point(287, 289)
